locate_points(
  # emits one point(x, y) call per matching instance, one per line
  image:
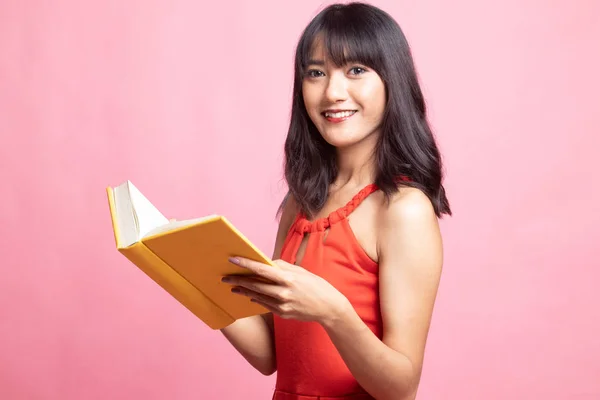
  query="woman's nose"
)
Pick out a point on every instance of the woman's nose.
point(336, 89)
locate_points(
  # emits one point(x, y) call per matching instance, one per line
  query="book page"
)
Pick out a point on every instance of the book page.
point(147, 216)
point(126, 229)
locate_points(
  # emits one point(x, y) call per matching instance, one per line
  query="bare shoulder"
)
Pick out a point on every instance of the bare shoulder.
point(409, 217)
point(290, 207)
point(289, 212)
point(409, 203)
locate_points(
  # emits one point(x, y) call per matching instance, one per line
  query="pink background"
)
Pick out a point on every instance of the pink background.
point(190, 101)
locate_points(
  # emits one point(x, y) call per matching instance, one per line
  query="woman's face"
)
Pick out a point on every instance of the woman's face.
point(346, 103)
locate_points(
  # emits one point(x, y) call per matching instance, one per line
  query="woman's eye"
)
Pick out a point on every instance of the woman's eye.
point(313, 73)
point(357, 70)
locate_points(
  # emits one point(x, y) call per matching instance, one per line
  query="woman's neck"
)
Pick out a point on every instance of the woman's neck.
point(356, 164)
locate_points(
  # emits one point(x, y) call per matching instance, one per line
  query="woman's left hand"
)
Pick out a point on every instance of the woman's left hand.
point(292, 292)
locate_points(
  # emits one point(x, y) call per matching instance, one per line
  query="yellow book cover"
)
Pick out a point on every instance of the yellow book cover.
point(186, 258)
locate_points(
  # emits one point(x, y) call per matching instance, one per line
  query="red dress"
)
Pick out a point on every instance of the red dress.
point(308, 364)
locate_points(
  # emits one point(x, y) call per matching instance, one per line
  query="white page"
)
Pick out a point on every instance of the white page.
point(148, 217)
point(127, 229)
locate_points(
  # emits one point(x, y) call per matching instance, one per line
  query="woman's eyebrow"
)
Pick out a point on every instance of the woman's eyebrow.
point(315, 62)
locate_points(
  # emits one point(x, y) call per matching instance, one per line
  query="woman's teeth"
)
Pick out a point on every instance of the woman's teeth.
point(341, 114)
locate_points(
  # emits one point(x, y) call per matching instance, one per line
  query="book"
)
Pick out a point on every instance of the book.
point(186, 258)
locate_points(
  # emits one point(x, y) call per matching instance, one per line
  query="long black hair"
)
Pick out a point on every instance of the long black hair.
point(406, 148)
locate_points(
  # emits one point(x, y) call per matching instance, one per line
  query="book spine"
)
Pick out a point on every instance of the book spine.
point(177, 286)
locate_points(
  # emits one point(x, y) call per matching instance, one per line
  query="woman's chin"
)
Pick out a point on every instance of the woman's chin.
point(343, 141)
point(340, 143)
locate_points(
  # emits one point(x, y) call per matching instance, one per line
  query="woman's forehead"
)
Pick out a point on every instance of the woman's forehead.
point(318, 51)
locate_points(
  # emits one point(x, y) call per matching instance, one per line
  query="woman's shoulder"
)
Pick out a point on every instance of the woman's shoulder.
point(409, 205)
point(407, 229)
point(288, 212)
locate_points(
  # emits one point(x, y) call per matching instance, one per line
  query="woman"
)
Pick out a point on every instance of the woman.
point(358, 243)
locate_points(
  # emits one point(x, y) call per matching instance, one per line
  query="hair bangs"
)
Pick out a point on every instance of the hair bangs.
point(346, 38)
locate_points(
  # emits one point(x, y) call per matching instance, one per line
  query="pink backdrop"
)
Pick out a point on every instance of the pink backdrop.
point(190, 101)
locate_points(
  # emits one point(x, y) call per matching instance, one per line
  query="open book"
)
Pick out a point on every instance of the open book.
point(186, 258)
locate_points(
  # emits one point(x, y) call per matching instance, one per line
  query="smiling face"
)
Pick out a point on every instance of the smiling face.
point(346, 103)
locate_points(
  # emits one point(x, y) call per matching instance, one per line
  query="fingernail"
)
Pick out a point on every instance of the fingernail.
point(234, 290)
point(225, 279)
point(234, 260)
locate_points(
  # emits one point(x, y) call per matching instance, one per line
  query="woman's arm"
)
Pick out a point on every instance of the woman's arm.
point(252, 337)
point(410, 264)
